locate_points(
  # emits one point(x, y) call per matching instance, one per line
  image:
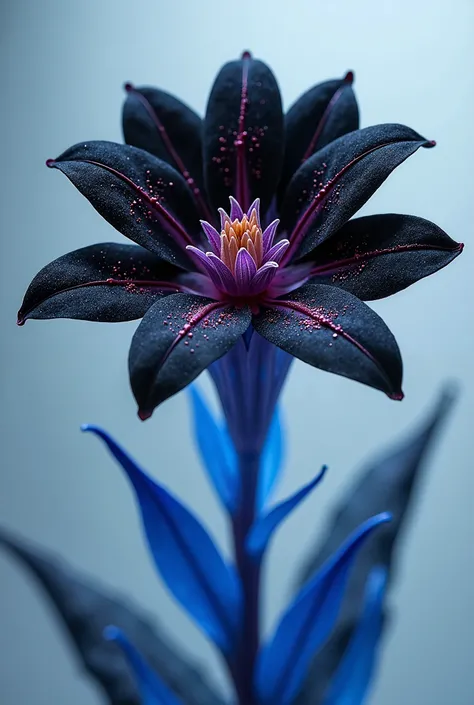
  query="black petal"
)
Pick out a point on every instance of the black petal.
point(178, 338)
point(86, 609)
point(331, 186)
point(141, 196)
point(164, 126)
point(243, 134)
point(322, 114)
point(105, 282)
point(335, 331)
point(378, 255)
point(389, 482)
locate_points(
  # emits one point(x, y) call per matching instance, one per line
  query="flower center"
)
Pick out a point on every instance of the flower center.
point(243, 260)
point(245, 233)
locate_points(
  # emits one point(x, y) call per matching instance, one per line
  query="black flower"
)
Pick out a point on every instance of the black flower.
point(287, 261)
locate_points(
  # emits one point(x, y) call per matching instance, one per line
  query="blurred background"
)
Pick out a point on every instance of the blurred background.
point(63, 66)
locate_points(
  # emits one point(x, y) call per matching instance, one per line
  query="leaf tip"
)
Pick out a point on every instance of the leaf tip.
point(429, 144)
point(144, 415)
point(20, 319)
point(50, 163)
point(128, 87)
point(246, 55)
point(382, 518)
point(112, 633)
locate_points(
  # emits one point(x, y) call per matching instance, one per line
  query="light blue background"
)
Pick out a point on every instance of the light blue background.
point(63, 65)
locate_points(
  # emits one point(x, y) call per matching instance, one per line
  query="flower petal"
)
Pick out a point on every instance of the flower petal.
point(236, 212)
point(243, 134)
point(269, 234)
point(331, 186)
point(141, 196)
point(378, 255)
point(245, 268)
point(164, 126)
point(276, 252)
point(290, 278)
point(212, 235)
point(307, 623)
point(322, 114)
point(153, 691)
point(335, 331)
point(262, 279)
point(105, 282)
point(184, 553)
point(227, 279)
point(177, 339)
point(210, 263)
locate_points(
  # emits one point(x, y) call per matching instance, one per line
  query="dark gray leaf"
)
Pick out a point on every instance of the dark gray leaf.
point(86, 608)
point(389, 483)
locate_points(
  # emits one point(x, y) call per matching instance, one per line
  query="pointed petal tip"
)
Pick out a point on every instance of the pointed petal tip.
point(397, 396)
point(50, 163)
point(430, 143)
point(246, 54)
point(236, 210)
point(459, 247)
point(20, 319)
point(128, 87)
point(349, 78)
point(143, 415)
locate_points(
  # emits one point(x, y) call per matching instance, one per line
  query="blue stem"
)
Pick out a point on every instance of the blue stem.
point(249, 571)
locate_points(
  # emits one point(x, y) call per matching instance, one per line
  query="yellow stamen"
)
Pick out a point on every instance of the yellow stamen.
point(242, 233)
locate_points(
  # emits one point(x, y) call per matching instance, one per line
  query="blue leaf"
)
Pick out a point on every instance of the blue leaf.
point(272, 461)
point(350, 684)
point(307, 623)
point(217, 452)
point(153, 691)
point(264, 527)
point(184, 554)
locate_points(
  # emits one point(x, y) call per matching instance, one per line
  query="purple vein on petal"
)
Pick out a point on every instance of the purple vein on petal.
point(348, 80)
point(164, 216)
point(242, 186)
point(208, 265)
point(245, 268)
point(227, 278)
point(264, 276)
point(276, 252)
point(269, 233)
point(171, 149)
point(236, 212)
point(323, 194)
point(254, 206)
point(132, 285)
point(337, 328)
point(212, 235)
point(336, 265)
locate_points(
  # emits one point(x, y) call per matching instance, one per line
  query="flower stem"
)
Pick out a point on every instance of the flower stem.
point(249, 572)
